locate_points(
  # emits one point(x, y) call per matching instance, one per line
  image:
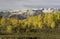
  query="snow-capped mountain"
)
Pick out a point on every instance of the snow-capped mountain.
point(22, 14)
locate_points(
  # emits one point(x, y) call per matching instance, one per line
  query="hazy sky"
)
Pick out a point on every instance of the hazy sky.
point(22, 4)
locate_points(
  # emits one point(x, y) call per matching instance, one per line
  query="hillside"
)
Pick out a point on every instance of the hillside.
point(41, 21)
point(41, 26)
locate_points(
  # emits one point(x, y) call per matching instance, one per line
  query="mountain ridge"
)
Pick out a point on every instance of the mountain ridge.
point(23, 14)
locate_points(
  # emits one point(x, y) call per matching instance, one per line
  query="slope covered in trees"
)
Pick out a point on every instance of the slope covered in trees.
point(41, 21)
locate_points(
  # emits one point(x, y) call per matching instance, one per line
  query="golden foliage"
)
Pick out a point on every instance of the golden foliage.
point(9, 28)
point(36, 21)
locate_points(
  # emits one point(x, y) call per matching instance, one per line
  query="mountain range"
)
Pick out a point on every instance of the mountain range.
point(23, 14)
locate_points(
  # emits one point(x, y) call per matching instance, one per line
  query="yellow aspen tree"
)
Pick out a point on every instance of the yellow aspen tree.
point(14, 22)
point(40, 24)
point(53, 24)
point(3, 21)
point(9, 29)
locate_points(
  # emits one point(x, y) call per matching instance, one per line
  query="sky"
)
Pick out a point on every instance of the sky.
point(24, 4)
